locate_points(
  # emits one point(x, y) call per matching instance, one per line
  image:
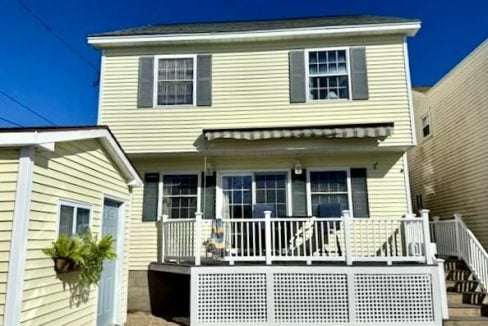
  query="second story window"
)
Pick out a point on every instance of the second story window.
point(175, 81)
point(426, 132)
point(328, 75)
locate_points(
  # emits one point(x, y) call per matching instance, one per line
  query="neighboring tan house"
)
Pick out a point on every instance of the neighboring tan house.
point(447, 168)
point(267, 147)
point(61, 181)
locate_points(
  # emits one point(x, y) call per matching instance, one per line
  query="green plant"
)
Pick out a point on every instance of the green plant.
point(86, 254)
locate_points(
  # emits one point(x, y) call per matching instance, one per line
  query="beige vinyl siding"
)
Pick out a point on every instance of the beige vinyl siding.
point(386, 187)
point(9, 164)
point(77, 171)
point(450, 168)
point(251, 89)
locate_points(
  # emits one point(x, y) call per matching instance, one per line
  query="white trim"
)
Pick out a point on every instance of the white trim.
point(40, 137)
point(408, 28)
point(155, 80)
point(409, 92)
point(329, 169)
point(180, 172)
point(307, 74)
point(406, 177)
point(219, 195)
point(20, 231)
point(100, 87)
point(75, 204)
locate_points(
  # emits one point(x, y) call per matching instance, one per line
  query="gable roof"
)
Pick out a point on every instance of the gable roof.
point(238, 30)
point(46, 137)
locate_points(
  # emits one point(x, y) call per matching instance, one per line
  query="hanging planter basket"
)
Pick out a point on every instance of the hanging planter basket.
point(64, 265)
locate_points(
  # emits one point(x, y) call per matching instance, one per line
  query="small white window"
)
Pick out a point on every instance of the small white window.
point(175, 81)
point(73, 218)
point(328, 75)
point(329, 192)
point(180, 195)
point(426, 130)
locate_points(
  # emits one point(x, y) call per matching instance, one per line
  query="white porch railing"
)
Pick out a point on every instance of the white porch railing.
point(453, 238)
point(309, 240)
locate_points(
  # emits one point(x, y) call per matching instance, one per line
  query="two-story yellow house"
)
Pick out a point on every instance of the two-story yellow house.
point(258, 141)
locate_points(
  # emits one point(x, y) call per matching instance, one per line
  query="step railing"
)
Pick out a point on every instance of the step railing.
point(454, 238)
point(307, 239)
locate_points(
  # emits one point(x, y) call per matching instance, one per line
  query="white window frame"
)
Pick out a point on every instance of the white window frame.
point(428, 116)
point(307, 74)
point(348, 182)
point(219, 202)
point(168, 173)
point(156, 74)
point(75, 205)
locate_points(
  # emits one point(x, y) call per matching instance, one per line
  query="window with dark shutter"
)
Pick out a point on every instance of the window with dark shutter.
point(150, 197)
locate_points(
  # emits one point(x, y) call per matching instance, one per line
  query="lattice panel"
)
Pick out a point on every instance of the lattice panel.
point(228, 298)
point(390, 298)
point(314, 298)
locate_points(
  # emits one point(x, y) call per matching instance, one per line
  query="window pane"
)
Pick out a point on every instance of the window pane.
point(271, 190)
point(237, 196)
point(82, 220)
point(180, 195)
point(175, 81)
point(66, 220)
point(328, 75)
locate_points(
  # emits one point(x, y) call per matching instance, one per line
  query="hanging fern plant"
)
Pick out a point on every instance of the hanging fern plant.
point(85, 254)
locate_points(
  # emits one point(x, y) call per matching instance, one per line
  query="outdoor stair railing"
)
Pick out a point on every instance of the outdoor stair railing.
point(454, 238)
point(307, 239)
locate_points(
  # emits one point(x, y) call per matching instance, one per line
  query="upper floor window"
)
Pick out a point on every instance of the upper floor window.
point(74, 218)
point(426, 130)
point(328, 75)
point(175, 81)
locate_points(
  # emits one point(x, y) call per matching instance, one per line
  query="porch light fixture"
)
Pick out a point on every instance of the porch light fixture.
point(298, 168)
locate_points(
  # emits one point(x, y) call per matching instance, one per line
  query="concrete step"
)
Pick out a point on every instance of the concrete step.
point(458, 275)
point(466, 321)
point(464, 310)
point(463, 286)
point(475, 298)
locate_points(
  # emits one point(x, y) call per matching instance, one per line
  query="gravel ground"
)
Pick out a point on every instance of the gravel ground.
point(146, 319)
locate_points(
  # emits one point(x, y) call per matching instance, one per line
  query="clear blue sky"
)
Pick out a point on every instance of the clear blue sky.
point(42, 73)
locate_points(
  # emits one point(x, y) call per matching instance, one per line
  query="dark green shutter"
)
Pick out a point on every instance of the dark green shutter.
point(297, 76)
point(150, 198)
point(299, 193)
point(359, 186)
point(359, 74)
point(145, 82)
point(208, 195)
point(204, 80)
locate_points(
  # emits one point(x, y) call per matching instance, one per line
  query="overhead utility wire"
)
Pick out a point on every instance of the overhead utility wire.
point(13, 99)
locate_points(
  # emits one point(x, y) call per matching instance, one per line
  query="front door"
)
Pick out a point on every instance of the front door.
point(106, 291)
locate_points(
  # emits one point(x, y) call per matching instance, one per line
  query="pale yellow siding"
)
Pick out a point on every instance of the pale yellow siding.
point(450, 168)
point(78, 171)
point(251, 88)
point(386, 187)
point(9, 159)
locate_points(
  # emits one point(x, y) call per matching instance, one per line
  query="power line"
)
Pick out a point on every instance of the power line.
point(13, 99)
point(11, 122)
point(59, 37)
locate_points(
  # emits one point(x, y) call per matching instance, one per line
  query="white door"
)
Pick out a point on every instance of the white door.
point(106, 291)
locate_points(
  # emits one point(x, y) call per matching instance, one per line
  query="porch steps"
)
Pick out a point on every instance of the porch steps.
point(464, 296)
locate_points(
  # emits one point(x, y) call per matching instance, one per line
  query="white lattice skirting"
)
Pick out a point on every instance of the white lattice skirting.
point(312, 295)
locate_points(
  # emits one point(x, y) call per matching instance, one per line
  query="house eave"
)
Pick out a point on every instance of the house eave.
point(408, 29)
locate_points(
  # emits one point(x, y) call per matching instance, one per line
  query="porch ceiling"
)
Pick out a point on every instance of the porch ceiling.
point(371, 130)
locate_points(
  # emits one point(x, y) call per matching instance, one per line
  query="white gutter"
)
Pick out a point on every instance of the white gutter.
point(409, 29)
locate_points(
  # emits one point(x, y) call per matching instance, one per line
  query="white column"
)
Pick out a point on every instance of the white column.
point(429, 256)
point(458, 222)
point(346, 215)
point(267, 235)
point(198, 237)
point(164, 219)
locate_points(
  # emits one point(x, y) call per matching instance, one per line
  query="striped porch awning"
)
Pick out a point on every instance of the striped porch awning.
point(376, 130)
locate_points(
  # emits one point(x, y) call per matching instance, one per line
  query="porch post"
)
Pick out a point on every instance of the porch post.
point(267, 236)
point(424, 215)
point(346, 214)
point(197, 238)
point(458, 222)
point(163, 220)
